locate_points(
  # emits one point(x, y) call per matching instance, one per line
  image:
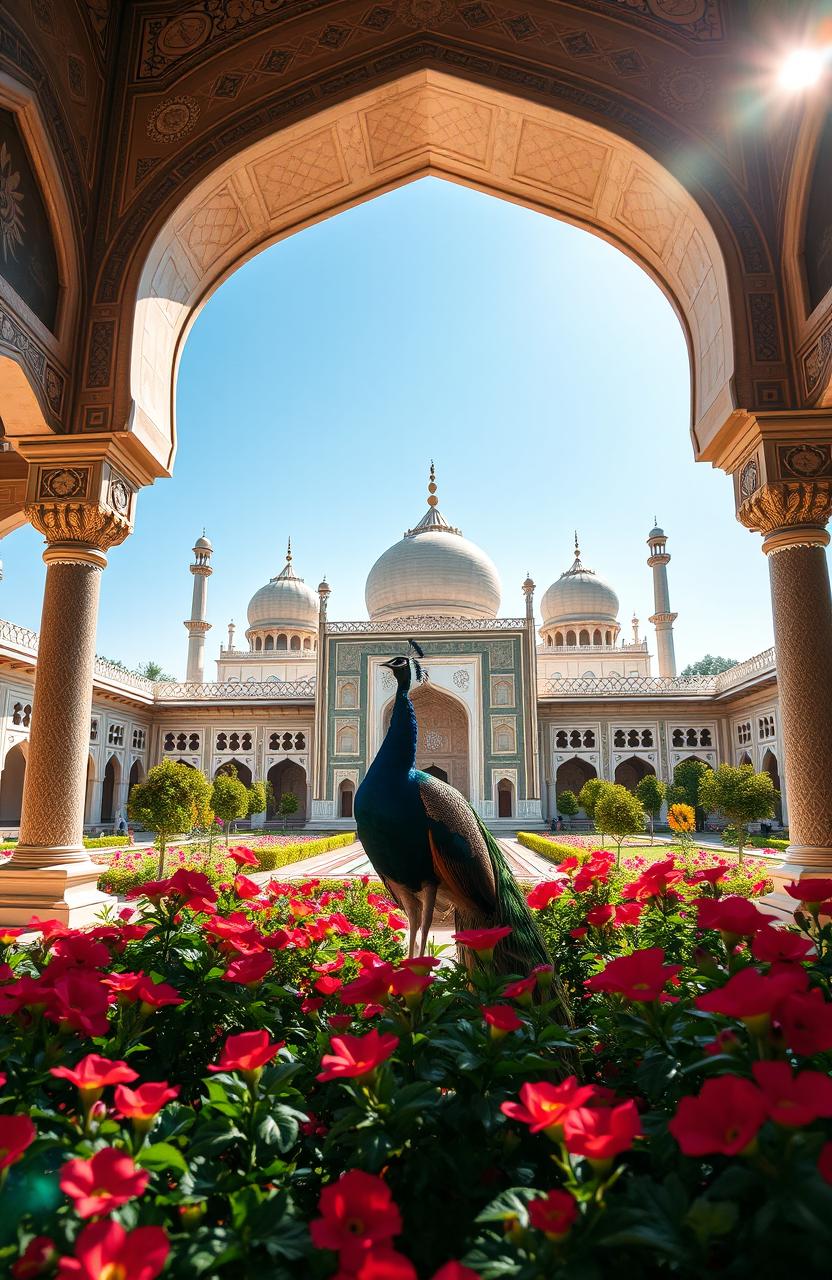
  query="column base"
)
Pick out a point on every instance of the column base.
point(65, 891)
point(800, 861)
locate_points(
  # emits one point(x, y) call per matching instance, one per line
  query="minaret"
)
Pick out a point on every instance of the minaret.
point(662, 619)
point(196, 626)
point(231, 630)
point(635, 626)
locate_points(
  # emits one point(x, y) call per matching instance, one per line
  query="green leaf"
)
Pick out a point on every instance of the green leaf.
point(161, 1155)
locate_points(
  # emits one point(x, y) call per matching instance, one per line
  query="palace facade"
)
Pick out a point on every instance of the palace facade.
point(515, 709)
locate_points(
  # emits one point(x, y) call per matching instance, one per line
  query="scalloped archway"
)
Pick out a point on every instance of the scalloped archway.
point(430, 123)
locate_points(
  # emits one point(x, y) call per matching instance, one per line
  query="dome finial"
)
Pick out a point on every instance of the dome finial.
point(577, 548)
point(433, 501)
point(289, 551)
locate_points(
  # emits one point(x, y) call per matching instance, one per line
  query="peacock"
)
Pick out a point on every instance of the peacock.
point(426, 842)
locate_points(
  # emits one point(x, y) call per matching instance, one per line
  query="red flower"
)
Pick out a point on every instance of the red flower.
point(328, 984)
point(735, 916)
point(501, 1018)
point(193, 886)
point(723, 1118)
point(793, 1100)
point(106, 1180)
point(773, 945)
point(357, 1056)
point(521, 990)
point(542, 894)
point(243, 857)
point(594, 871)
point(154, 995)
point(544, 1107)
point(811, 892)
point(628, 913)
point(82, 1000)
point(825, 1162)
point(750, 996)
point(93, 1073)
point(641, 976)
point(339, 1021)
point(16, 1133)
point(370, 987)
point(105, 1251)
point(600, 915)
point(246, 889)
point(248, 1051)
point(806, 1022)
point(482, 941)
point(456, 1271)
point(39, 1256)
point(599, 1133)
point(710, 875)
point(554, 1215)
point(249, 969)
point(145, 1102)
point(382, 1264)
point(655, 881)
point(357, 1212)
point(410, 985)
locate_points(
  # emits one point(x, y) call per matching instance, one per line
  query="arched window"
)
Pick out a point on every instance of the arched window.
point(561, 740)
point(596, 636)
point(502, 693)
point(570, 637)
point(558, 639)
point(504, 738)
point(269, 642)
point(589, 675)
point(609, 637)
point(282, 642)
point(346, 740)
point(549, 640)
point(307, 644)
point(294, 644)
point(583, 638)
point(505, 798)
point(349, 694)
point(258, 644)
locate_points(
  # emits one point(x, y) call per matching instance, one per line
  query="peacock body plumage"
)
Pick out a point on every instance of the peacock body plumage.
point(424, 840)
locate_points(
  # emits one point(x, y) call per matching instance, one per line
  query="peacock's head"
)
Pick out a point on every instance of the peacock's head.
point(408, 671)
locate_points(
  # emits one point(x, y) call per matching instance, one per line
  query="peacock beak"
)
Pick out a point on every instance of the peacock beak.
point(388, 664)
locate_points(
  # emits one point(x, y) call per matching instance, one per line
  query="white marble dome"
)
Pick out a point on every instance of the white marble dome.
point(579, 595)
point(286, 602)
point(433, 570)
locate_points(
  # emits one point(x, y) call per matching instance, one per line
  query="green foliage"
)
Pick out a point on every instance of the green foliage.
point(618, 813)
point(651, 792)
point(171, 800)
point(709, 666)
point(547, 848)
point(271, 857)
point(685, 788)
point(740, 795)
point(90, 842)
point(153, 671)
point(229, 799)
point(567, 803)
point(588, 795)
point(256, 798)
point(288, 805)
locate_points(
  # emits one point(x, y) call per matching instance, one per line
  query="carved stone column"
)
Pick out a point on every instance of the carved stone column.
point(784, 491)
point(82, 510)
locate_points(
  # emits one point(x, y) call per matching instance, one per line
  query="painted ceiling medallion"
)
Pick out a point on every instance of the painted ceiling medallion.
point(184, 34)
point(806, 460)
point(748, 478)
point(172, 119)
point(65, 482)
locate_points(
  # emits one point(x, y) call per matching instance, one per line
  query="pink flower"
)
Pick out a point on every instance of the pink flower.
point(102, 1183)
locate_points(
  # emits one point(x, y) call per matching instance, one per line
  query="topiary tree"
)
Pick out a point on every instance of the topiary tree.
point(256, 798)
point(567, 803)
point(651, 793)
point(740, 795)
point(229, 799)
point(172, 798)
point(288, 805)
point(685, 789)
point(618, 813)
point(588, 795)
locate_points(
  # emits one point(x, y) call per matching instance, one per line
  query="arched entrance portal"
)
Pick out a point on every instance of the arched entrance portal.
point(442, 745)
point(109, 789)
point(346, 796)
point(505, 798)
point(572, 775)
point(11, 785)
point(136, 776)
point(771, 768)
point(630, 772)
point(235, 769)
point(288, 776)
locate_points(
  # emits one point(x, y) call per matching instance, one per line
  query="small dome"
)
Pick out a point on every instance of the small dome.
point(433, 570)
point(579, 595)
point(203, 544)
point(656, 532)
point(285, 601)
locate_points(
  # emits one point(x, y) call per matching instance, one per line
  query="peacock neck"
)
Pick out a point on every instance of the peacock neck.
point(398, 750)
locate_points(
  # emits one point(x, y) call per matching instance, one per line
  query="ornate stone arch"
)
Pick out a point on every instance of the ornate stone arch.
point(424, 122)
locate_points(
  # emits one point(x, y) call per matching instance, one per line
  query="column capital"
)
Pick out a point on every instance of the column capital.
point(788, 513)
point(79, 496)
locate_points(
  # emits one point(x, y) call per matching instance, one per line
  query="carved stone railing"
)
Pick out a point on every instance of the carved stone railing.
point(764, 663)
point(567, 650)
point(27, 640)
point(615, 686)
point(237, 691)
point(420, 623)
point(20, 637)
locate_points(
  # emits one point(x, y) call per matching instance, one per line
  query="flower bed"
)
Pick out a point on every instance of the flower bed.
point(128, 868)
point(254, 1083)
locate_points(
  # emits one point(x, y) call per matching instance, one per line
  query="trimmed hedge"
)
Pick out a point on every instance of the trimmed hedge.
point(281, 855)
point(90, 842)
point(549, 848)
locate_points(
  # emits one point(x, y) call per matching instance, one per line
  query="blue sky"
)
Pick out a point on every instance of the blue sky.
point(541, 369)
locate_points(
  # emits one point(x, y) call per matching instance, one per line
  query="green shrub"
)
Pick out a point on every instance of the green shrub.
point(281, 855)
point(548, 848)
